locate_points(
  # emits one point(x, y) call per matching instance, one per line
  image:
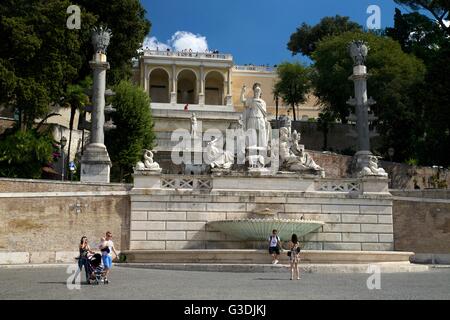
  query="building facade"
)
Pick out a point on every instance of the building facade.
point(207, 82)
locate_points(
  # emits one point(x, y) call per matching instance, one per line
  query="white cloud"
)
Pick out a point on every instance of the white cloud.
point(152, 43)
point(180, 40)
point(184, 40)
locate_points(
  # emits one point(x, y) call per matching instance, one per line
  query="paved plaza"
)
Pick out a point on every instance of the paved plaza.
point(133, 283)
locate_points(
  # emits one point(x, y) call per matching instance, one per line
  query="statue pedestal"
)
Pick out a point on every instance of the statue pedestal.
point(95, 164)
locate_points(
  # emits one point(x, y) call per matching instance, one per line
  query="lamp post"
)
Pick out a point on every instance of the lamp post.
point(63, 143)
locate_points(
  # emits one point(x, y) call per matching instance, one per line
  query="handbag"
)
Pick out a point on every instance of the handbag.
point(289, 253)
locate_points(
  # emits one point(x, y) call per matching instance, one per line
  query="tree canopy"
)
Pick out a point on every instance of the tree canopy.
point(293, 84)
point(134, 130)
point(395, 78)
point(305, 39)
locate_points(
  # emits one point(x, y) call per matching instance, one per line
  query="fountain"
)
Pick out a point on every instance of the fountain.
point(259, 228)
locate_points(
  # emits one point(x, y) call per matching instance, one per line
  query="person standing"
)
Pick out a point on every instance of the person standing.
point(274, 246)
point(83, 258)
point(294, 257)
point(106, 246)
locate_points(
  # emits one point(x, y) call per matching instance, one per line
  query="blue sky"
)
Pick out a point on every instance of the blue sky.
point(254, 31)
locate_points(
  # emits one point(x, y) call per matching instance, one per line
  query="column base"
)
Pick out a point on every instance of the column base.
point(229, 100)
point(201, 99)
point(173, 98)
point(95, 164)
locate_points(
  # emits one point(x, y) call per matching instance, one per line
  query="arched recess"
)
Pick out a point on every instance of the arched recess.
point(159, 85)
point(214, 84)
point(187, 87)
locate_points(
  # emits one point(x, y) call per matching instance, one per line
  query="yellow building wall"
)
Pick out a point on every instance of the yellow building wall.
point(310, 108)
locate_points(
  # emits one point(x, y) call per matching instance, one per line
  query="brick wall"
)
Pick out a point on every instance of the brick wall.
point(422, 221)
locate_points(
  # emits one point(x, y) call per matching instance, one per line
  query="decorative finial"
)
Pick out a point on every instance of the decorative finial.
point(100, 38)
point(358, 51)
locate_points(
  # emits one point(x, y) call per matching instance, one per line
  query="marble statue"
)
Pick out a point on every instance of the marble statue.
point(218, 158)
point(194, 126)
point(100, 39)
point(372, 168)
point(358, 51)
point(148, 163)
point(301, 161)
point(255, 116)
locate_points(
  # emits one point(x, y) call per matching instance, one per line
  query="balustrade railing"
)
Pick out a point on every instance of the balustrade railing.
point(189, 54)
point(186, 182)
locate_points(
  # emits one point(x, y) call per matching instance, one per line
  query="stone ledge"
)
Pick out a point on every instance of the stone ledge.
point(261, 256)
point(386, 267)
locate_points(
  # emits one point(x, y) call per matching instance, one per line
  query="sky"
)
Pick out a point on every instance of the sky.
point(253, 31)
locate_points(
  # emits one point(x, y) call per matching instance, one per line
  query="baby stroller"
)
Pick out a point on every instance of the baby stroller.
point(96, 269)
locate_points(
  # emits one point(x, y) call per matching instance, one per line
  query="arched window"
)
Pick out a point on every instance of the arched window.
point(187, 87)
point(214, 84)
point(159, 86)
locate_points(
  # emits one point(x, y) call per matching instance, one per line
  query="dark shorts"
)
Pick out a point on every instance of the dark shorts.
point(273, 250)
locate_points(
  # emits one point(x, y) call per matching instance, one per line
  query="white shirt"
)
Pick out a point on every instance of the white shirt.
point(274, 240)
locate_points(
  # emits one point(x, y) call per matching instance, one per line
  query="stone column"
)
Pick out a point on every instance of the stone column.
point(146, 80)
point(173, 94)
point(201, 95)
point(358, 51)
point(95, 163)
point(229, 98)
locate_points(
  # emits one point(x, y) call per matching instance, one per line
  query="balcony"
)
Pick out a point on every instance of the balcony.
point(194, 55)
point(254, 68)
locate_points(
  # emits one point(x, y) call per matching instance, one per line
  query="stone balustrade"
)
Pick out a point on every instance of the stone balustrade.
point(198, 55)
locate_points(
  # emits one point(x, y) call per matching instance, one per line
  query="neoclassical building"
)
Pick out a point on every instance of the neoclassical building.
point(206, 82)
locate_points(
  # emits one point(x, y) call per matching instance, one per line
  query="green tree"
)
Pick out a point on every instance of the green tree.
point(134, 130)
point(24, 153)
point(305, 39)
point(439, 10)
point(417, 34)
point(76, 99)
point(39, 55)
point(394, 82)
point(293, 84)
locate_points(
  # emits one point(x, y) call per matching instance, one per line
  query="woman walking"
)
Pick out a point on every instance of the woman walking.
point(294, 257)
point(83, 258)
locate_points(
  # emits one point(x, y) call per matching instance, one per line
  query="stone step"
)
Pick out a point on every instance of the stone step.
point(384, 267)
point(262, 256)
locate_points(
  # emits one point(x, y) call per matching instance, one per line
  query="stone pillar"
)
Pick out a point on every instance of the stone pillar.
point(360, 102)
point(173, 94)
point(229, 97)
point(358, 51)
point(95, 163)
point(146, 80)
point(201, 95)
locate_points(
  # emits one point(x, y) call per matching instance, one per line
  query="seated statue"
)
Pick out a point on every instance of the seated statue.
point(372, 169)
point(301, 161)
point(148, 163)
point(218, 158)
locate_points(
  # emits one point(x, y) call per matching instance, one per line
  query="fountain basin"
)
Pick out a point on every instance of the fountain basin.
point(261, 229)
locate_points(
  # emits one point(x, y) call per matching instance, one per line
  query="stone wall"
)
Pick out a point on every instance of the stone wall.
point(43, 221)
point(169, 219)
point(422, 221)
